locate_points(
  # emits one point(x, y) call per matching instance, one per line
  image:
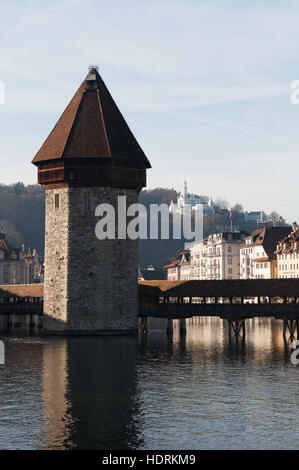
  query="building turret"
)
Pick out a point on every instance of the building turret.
point(185, 189)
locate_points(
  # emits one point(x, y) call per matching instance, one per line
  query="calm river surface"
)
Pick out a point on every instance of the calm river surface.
point(200, 391)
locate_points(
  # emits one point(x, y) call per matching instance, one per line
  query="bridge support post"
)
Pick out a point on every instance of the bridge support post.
point(292, 327)
point(284, 328)
point(143, 325)
point(31, 321)
point(182, 325)
point(236, 326)
point(169, 327)
point(243, 328)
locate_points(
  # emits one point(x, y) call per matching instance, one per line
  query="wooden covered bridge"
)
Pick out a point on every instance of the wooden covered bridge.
point(21, 306)
point(233, 300)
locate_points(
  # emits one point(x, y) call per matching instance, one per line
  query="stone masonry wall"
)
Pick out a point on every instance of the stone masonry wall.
point(90, 284)
point(56, 260)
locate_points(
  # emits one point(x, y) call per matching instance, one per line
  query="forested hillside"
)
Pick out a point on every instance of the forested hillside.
point(22, 214)
point(22, 217)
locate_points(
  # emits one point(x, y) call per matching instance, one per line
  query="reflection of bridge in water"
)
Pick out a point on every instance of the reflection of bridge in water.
point(232, 300)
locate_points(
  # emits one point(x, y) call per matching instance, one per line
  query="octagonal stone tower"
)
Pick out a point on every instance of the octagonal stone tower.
point(90, 157)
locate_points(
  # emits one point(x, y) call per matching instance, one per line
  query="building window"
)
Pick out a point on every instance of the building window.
point(56, 201)
point(87, 201)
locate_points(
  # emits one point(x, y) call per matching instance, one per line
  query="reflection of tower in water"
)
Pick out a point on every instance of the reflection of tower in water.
point(90, 393)
point(56, 433)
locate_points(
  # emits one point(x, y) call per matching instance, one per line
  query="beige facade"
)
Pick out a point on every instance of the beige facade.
point(288, 255)
point(36, 267)
point(185, 266)
point(178, 267)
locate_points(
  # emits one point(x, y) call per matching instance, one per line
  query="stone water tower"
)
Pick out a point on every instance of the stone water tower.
point(90, 157)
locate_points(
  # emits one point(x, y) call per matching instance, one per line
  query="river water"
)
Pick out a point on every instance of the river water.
point(198, 391)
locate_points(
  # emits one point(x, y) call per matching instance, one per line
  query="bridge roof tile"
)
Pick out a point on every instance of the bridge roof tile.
point(22, 290)
point(226, 288)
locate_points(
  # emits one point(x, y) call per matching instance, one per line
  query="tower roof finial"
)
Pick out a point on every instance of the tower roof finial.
point(93, 68)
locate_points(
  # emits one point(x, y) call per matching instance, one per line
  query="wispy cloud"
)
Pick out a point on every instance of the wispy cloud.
point(207, 84)
point(166, 55)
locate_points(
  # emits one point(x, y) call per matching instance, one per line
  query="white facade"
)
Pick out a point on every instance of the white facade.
point(198, 260)
point(254, 262)
point(217, 257)
point(258, 253)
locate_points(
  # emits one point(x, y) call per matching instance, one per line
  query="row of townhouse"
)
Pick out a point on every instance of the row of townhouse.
point(216, 257)
point(18, 267)
point(270, 252)
point(177, 266)
point(258, 258)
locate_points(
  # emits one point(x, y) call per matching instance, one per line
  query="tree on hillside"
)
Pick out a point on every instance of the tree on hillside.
point(14, 237)
point(221, 203)
point(22, 214)
point(157, 196)
point(238, 208)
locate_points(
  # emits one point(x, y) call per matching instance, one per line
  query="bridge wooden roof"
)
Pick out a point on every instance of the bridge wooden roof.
point(225, 288)
point(22, 290)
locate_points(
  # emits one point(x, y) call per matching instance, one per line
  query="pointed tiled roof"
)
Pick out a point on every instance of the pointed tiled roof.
point(92, 127)
point(267, 237)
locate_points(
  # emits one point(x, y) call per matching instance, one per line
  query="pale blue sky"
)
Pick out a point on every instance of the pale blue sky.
point(204, 86)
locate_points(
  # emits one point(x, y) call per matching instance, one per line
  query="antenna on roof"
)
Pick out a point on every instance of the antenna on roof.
point(185, 188)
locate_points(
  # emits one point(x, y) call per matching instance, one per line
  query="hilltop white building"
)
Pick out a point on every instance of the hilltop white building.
point(256, 217)
point(187, 202)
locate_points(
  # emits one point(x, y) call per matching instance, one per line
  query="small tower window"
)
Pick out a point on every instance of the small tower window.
point(87, 201)
point(56, 201)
